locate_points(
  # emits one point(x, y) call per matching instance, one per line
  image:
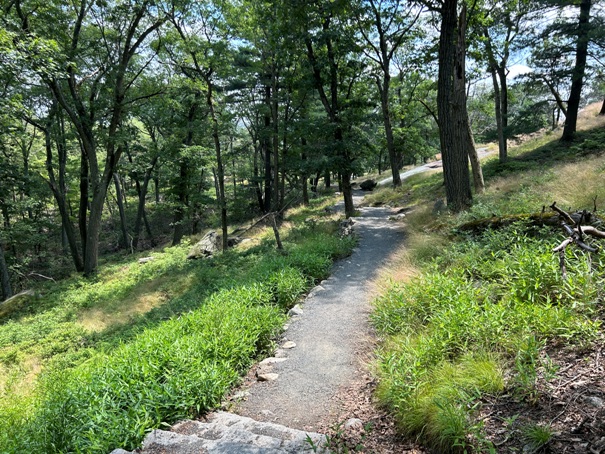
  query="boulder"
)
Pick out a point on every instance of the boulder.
point(345, 228)
point(206, 247)
point(368, 185)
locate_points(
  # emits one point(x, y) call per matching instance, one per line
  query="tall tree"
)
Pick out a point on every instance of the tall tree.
point(327, 33)
point(202, 51)
point(385, 26)
point(454, 128)
point(501, 26)
point(97, 46)
point(577, 76)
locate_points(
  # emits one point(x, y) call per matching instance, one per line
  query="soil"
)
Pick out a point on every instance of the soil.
point(568, 400)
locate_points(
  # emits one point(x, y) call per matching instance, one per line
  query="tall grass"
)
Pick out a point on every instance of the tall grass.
point(107, 389)
point(486, 305)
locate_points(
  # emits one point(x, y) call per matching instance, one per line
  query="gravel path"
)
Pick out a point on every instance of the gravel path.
point(329, 335)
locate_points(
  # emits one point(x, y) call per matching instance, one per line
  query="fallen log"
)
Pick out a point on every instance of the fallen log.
point(536, 219)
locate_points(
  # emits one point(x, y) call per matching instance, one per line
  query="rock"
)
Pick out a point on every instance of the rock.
point(288, 345)
point(206, 247)
point(353, 424)
point(345, 228)
point(267, 377)
point(240, 395)
point(286, 326)
point(296, 310)
point(144, 260)
point(594, 401)
point(368, 185)
point(233, 241)
point(17, 301)
point(119, 451)
point(271, 361)
point(398, 217)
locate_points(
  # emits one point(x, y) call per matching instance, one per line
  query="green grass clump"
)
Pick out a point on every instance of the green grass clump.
point(486, 304)
point(175, 359)
point(174, 371)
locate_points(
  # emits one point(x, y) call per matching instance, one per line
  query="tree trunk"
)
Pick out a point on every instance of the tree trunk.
point(498, 111)
point(142, 194)
point(453, 119)
point(7, 291)
point(60, 197)
point(602, 112)
point(478, 181)
point(120, 201)
point(383, 88)
point(577, 78)
point(182, 185)
point(275, 140)
point(305, 175)
point(83, 206)
point(504, 106)
point(500, 95)
point(219, 161)
point(257, 180)
point(267, 152)
point(91, 251)
point(179, 210)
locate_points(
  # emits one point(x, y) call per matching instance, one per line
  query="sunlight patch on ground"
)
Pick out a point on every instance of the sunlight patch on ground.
point(21, 379)
point(578, 183)
point(144, 298)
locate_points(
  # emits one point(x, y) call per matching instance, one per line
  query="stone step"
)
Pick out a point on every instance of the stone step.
point(227, 433)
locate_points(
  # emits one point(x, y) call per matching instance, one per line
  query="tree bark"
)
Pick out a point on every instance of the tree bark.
point(577, 78)
point(602, 112)
point(305, 175)
point(267, 155)
point(499, 96)
point(59, 192)
point(120, 201)
point(7, 291)
point(219, 160)
point(257, 186)
point(182, 189)
point(383, 89)
point(275, 137)
point(142, 195)
point(453, 118)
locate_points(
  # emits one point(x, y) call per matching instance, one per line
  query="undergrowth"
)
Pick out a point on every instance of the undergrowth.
point(473, 314)
point(486, 305)
point(105, 389)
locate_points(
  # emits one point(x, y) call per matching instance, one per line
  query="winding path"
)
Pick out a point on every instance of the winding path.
point(328, 338)
point(329, 334)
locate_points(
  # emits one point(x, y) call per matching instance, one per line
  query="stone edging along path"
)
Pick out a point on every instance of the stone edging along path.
point(318, 355)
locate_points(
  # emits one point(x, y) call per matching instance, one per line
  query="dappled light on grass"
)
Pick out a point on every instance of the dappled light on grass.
point(144, 345)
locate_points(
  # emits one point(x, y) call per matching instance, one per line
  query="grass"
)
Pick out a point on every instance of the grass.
point(465, 317)
point(95, 365)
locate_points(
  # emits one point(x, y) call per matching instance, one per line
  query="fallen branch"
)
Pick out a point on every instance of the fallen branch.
point(575, 234)
point(536, 219)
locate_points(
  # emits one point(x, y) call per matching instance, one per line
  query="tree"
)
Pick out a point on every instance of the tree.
point(577, 76)
point(201, 52)
point(385, 27)
point(454, 129)
point(501, 27)
point(327, 34)
point(96, 46)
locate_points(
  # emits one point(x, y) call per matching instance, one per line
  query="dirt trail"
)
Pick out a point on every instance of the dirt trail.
point(329, 335)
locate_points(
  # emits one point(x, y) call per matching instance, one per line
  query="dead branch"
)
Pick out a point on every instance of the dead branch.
point(592, 231)
point(562, 213)
point(536, 219)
